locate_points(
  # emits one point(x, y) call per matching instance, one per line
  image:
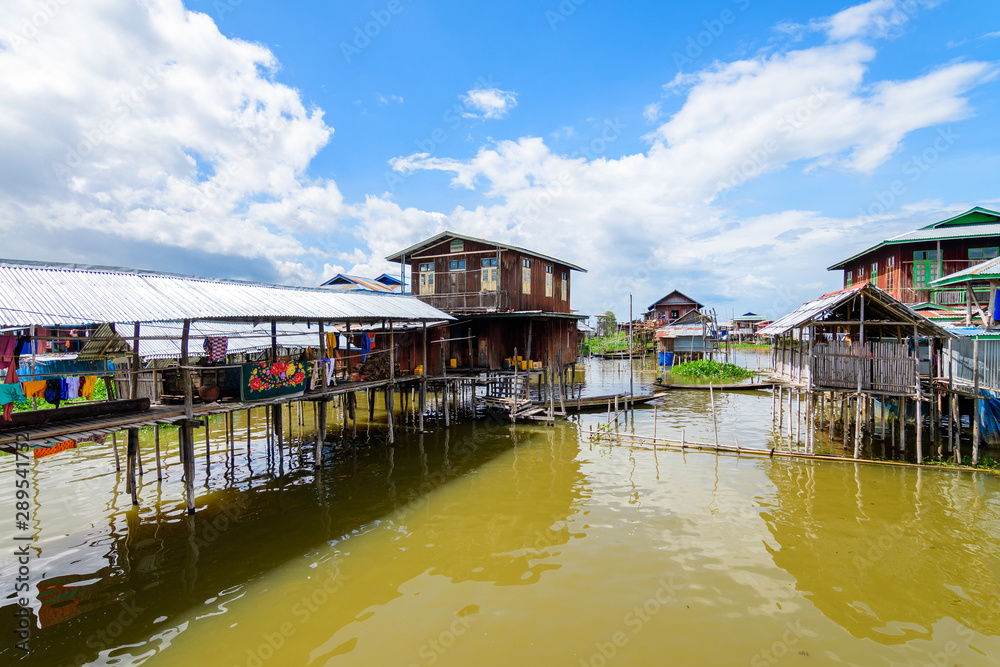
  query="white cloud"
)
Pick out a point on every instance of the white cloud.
point(383, 101)
point(488, 102)
point(141, 121)
point(876, 18)
point(652, 112)
point(660, 213)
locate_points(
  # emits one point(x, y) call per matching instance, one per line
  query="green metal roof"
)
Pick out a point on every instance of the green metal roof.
point(437, 238)
point(975, 222)
point(982, 272)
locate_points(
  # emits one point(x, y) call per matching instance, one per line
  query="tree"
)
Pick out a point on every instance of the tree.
point(607, 324)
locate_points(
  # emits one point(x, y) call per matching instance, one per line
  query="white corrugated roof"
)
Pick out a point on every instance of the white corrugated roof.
point(821, 308)
point(69, 295)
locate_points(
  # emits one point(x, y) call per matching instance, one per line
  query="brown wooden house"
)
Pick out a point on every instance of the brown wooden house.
point(906, 265)
point(671, 308)
point(507, 298)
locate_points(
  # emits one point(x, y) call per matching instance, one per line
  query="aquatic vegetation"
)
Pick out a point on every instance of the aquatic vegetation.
point(708, 369)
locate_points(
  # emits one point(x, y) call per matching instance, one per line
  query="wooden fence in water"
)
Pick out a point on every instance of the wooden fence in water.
point(880, 367)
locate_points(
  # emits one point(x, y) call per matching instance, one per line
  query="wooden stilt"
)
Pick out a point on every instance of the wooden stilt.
point(114, 445)
point(156, 439)
point(131, 454)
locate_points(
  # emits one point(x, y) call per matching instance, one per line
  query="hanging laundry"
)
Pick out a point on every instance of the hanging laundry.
point(35, 389)
point(72, 388)
point(7, 345)
point(54, 391)
point(330, 364)
point(10, 391)
point(332, 343)
point(366, 347)
point(216, 347)
point(87, 385)
point(371, 341)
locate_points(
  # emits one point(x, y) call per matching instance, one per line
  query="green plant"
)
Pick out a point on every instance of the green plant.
point(708, 369)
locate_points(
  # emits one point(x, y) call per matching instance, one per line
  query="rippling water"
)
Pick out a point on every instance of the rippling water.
point(491, 544)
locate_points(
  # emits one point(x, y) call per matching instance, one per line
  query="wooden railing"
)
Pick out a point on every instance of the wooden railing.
point(487, 301)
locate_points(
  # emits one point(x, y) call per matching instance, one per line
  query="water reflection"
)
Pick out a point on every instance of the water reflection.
point(867, 545)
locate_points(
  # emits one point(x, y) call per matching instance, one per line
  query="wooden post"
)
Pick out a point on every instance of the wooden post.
point(858, 431)
point(187, 427)
point(975, 401)
point(423, 381)
point(133, 385)
point(132, 453)
point(715, 423)
point(631, 390)
point(114, 445)
point(902, 424)
point(810, 426)
point(390, 394)
point(156, 436)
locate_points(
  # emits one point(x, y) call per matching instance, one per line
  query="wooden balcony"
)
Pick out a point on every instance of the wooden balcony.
point(468, 302)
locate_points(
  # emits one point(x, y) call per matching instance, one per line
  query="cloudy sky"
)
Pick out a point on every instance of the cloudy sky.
point(731, 149)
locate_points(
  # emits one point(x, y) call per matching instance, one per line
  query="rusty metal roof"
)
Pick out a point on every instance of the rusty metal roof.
point(51, 294)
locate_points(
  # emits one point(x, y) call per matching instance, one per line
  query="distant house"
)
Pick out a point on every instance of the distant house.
point(508, 298)
point(906, 265)
point(671, 308)
point(347, 283)
point(747, 325)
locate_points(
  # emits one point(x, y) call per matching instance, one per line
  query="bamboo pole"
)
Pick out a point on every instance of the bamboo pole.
point(156, 437)
point(187, 427)
point(715, 423)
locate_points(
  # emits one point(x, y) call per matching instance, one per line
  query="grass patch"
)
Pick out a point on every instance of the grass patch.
point(749, 346)
point(985, 463)
point(710, 370)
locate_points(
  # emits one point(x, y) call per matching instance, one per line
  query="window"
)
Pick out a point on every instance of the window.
point(890, 273)
point(925, 268)
point(456, 265)
point(490, 278)
point(861, 273)
point(548, 281)
point(874, 277)
point(525, 276)
point(565, 286)
point(850, 278)
point(457, 245)
point(674, 314)
point(983, 253)
point(427, 278)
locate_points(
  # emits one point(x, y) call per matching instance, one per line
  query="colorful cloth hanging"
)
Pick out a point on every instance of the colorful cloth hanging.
point(270, 380)
point(7, 345)
point(216, 347)
point(10, 391)
point(34, 389)
point(87, 386)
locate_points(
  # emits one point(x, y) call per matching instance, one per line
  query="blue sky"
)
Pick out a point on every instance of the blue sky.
point(730, 149)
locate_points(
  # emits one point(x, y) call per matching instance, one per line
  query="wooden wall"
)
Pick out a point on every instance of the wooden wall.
point(510, 274)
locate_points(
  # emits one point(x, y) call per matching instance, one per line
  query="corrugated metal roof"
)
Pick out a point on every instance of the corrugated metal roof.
point(402, 254)
point(820, 309)
point(988, 270)
point(69, 295)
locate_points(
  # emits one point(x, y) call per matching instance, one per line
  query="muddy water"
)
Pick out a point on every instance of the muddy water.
point(487, 544)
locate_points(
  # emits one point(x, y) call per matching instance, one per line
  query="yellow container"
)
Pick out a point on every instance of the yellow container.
point(419, 370)
point(524, 365)
point(538, 364)
point(454, 363)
